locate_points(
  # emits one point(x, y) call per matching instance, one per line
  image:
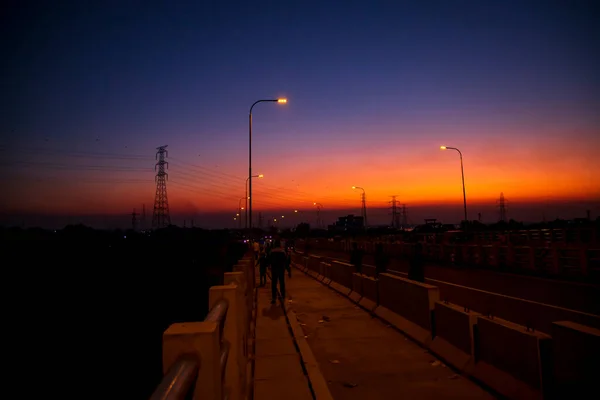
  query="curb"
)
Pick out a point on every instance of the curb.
point(316, 381)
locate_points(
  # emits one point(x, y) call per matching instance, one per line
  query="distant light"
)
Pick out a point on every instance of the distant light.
point(314, 204)
point(282, 216)
point(295, 211)
point(353, 187)
point(443, 147)
point(261, 176)
point(283, 101)
point(124, 237)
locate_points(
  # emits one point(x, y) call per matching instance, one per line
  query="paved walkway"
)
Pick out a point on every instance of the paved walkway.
point(363, 358)
point(278, 372)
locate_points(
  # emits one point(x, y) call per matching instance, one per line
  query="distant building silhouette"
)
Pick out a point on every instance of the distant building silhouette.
point(348, 223)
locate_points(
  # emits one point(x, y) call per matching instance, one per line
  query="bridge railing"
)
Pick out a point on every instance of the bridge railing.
point(208, 360)
point(555, 259)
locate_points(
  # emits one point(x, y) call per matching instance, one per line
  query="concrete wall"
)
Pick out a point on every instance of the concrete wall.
point(408, 305)
point(413, 300)
point(531, 314)
point(576, 350)
point(454, 340)
point(509, 358)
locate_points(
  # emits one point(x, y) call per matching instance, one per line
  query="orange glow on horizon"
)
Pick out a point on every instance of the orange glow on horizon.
point(529, 171)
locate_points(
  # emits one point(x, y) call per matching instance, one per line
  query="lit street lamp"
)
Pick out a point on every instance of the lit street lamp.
point(253, 176)
point(281, 101)
point(462, 172)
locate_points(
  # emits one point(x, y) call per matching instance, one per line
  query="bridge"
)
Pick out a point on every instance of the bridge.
point(339, 334)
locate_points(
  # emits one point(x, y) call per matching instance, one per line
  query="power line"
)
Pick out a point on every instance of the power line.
point(84, 167)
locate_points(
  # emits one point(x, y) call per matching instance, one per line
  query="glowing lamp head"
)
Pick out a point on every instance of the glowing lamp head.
point(314, 204)
point(353, 187)
point(443, 147)
point(282, 101)
point(261, 176)
point(295, 211)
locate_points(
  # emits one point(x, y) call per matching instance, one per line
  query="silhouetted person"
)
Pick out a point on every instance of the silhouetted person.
point(278, 261)
point(256, 249)
point(381, 260)
point(263, 263)
point(356, 257)
point(416, 272)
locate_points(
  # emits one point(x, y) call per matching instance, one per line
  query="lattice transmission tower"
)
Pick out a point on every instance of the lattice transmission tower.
point(161, 217)
point(395, 215)
point(502, 207)
point(404, 216)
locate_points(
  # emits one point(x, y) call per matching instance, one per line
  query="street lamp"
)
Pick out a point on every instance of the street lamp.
point(364, 204)
point(280, 101)
point(253, 176)
point(462, 172)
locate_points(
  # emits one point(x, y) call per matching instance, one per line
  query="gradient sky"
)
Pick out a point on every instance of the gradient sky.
point(374, 88)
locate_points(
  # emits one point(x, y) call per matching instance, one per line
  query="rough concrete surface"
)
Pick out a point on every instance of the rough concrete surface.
point(363, 358)
point(278, 370)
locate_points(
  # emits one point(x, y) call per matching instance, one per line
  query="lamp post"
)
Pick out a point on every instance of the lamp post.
point(253, 176)
point(282, 101)
point(364, 204)
point(462, 172)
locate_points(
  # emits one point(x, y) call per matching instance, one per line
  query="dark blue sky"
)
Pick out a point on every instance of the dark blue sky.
point(123, 76)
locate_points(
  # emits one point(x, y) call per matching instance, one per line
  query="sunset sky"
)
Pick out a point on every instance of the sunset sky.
point(373, 87)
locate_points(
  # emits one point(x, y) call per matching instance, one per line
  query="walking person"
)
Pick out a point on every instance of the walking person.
point(256, 250)
point(263, 263)
point(278, 261)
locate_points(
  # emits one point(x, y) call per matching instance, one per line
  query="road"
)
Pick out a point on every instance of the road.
point(531, 301)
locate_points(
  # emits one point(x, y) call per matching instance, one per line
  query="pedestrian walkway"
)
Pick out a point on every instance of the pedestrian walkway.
point(278, 372)
point(361, 357)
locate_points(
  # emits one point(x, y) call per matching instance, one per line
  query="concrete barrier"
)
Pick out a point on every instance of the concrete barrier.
point(523, 312)
point(575, 349)
point(454, 341)
point(326, 272)
point(341, 277)
point(511, 359)
point(368, 270)
point(313, 263)
point(370, 293)
point(356, 293)
point(408, 305)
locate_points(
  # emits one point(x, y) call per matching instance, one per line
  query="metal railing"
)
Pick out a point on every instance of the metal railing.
point(179, 380)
